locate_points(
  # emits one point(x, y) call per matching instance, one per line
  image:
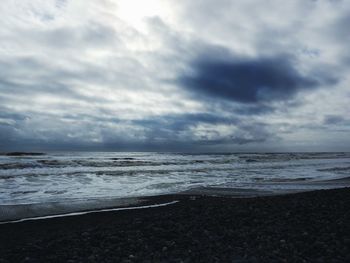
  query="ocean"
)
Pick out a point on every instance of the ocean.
point(79, 176)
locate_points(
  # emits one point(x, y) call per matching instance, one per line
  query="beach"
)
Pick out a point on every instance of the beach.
point(174, 131)
point(301, 227)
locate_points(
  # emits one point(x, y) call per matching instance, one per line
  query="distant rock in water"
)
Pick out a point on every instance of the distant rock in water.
point(125, 158)
point(24, 154)
point(251, 161)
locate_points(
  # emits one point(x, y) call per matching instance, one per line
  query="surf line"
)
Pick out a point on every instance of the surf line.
point(87, 212)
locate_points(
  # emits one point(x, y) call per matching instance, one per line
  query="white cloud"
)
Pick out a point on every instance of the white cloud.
point(87, 70)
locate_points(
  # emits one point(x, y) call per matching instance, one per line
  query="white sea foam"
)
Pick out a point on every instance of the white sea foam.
point(88, 212)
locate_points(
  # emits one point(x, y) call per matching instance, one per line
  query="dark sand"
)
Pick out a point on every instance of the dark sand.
point(303, 227)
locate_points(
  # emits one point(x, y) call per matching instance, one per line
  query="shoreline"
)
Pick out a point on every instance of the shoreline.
point(10, 213)
point(293, 227)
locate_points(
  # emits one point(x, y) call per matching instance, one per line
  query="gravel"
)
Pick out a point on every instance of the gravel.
point(304, 227)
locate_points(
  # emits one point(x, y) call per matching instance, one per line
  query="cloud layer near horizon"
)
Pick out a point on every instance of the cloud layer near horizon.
point(174, 75)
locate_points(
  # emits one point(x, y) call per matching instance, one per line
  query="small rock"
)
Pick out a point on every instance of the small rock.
point(85, 234)
point(27, 259)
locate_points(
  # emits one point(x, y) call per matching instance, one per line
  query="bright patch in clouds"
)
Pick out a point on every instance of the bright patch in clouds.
point(134, 12)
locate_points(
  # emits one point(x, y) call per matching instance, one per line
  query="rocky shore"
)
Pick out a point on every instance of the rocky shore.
point(303, 227)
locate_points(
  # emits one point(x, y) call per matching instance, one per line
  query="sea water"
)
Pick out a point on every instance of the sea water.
point(72, 176)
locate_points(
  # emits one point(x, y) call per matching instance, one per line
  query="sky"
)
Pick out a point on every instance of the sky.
point(175, 75)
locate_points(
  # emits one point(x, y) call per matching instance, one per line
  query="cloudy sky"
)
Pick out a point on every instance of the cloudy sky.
point(177, 75)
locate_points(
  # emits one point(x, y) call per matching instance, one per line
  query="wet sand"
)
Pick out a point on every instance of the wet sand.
point(13, 213)
point(302, 227)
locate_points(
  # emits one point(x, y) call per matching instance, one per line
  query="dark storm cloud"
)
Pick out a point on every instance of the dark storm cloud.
point(250, 80)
